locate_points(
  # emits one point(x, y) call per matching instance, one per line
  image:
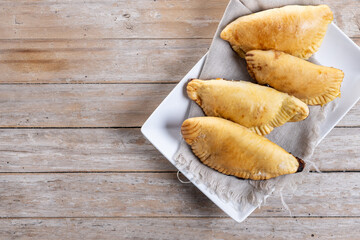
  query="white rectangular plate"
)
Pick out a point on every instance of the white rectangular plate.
point(162, 128)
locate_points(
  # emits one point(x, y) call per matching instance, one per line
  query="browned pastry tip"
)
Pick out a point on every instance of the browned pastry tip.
point(301, 164)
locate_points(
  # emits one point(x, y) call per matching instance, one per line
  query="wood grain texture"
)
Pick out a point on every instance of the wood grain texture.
point(132, 19)
point(110, 19)
point(160, 194)
point(98, 61)
point(96, 105)
point(124, 41)
point(339, 151)
point(76, 150)
point(352, 118)
point(180, 228)
point(90, 105)
point(46, 150)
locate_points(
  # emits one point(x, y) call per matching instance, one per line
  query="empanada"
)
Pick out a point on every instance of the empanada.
point(235, 150)
point(254, 106)
point(297, 30)
point(309, 82)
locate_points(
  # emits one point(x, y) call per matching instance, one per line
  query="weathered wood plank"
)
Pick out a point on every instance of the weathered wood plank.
point(46, 150)
point(132, 19)
point(339, 151)
point(160, 194)
point(68, 150)
point(79, 105)
point(110, 19)
point(98, 61)
point(90, 105)
point(180, 228)
point(352, 118)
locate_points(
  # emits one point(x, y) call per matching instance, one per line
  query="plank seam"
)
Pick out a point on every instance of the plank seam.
point(121, 38)
point(125, 127)
point(144, 171)
point(92, 83)
point(177, 217)
point(130, 127)
point(110, 39)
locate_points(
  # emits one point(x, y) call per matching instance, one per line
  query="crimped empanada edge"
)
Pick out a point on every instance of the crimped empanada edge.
point(250, 65)
point(286, 114)
point(190, 130)
point(262, 130)
point(243, 175)
point(250, 175)
point(332, 92)
point(318, 38)
point(302, 110)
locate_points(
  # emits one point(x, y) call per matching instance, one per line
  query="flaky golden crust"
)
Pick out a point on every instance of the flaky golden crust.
point(297, 30)
point(311, 83)
point(235, 150)
point(256, 107)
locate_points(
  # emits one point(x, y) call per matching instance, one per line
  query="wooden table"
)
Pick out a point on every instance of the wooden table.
point(79, 78)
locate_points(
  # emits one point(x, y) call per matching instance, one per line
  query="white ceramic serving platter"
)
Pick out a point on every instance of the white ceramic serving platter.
point(162, 128)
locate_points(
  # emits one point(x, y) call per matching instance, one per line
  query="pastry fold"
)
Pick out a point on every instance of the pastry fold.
point(311, 83)
point(235, 150)
point(256, 107)
point(297, 30)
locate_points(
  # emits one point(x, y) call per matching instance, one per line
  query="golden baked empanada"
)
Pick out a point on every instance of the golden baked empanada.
point(254, 106)
point(309, 82)
point(297, 30)
point(235, 150)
